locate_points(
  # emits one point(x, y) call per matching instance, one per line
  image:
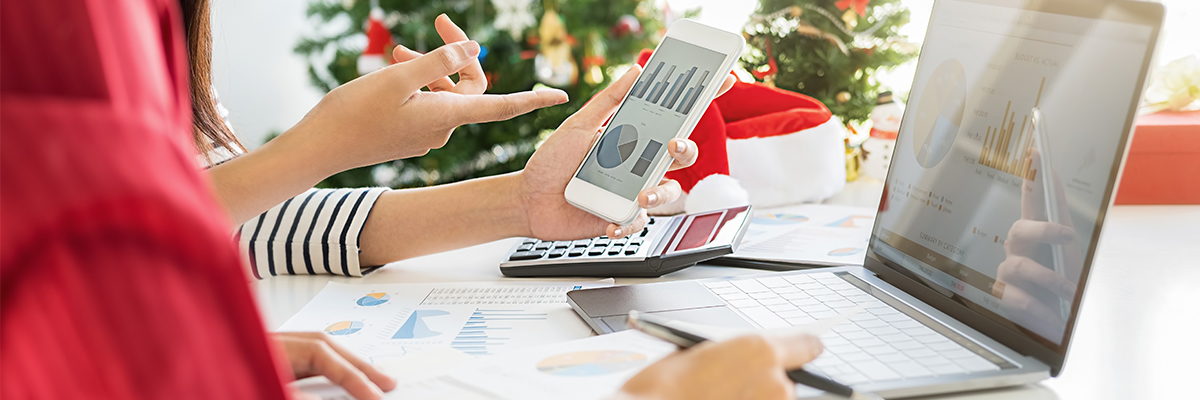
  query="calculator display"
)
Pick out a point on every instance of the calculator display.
point(707, 229)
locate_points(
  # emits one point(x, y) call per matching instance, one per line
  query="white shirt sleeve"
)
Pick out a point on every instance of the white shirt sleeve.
point(316, 232)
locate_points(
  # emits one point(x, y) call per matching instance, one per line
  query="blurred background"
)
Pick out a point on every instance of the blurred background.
point(274, 59)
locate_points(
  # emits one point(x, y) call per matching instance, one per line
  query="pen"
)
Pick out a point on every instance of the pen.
point(659, 327)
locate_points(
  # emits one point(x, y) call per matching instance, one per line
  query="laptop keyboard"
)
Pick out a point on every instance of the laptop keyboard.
point(879, 344)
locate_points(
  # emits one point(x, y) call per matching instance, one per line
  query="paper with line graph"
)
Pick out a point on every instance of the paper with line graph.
point(385, 321)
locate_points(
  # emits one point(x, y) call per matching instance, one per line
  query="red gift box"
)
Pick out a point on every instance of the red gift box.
point(1163, 166)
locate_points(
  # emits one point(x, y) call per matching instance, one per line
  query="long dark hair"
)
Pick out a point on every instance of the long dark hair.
point(208, 128)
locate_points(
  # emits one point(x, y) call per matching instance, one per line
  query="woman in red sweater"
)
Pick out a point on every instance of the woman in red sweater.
point(117, 275)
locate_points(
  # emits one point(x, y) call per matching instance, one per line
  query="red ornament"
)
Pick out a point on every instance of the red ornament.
point(771, 67)
point(625, 25)
point(378, 53)
point(589, 61)
point(860, 6)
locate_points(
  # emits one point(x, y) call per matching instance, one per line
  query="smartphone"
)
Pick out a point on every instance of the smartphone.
point(1041, 139)
point(680, 80)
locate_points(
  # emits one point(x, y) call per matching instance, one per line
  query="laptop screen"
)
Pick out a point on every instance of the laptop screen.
point(1006, 158)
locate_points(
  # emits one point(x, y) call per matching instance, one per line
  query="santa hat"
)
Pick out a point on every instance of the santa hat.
point(378, 53)
point(762, 146)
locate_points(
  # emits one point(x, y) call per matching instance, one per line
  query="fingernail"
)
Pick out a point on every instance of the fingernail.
point(617, 233)
point(1067, 234)
point(681, 146)
point(651, 198)
point(472, 48)
point(565, 97)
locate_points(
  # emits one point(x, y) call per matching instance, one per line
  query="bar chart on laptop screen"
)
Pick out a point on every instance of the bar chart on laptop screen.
point(671, 87)
point(1005, 145)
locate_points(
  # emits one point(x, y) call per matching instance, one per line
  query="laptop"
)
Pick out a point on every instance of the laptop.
point(1008, 156)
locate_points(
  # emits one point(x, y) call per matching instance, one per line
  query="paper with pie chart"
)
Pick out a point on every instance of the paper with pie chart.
point(591, 368)
point(387, 321)
point(811, 234)
point(584, 369)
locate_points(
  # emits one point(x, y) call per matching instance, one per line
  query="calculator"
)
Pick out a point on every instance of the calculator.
point(666, 244)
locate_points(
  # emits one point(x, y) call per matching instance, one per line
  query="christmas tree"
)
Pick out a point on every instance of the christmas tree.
point(571, 45)
point(828, 49)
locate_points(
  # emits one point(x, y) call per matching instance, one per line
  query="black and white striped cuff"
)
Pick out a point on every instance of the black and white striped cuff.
point(316, 232)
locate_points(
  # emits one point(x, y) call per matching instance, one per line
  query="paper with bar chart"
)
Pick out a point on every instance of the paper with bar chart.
point(670, 89)
point(385, 321)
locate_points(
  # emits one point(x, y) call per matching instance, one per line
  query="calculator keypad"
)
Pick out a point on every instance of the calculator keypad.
point(533, 249)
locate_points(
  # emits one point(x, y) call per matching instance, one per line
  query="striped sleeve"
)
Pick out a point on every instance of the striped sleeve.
point(316, 232)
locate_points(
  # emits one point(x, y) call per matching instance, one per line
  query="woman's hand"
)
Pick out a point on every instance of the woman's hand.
point(379, 117)
point(746, 367)
point(314, 354)
point(543, 182)
point(384, 115)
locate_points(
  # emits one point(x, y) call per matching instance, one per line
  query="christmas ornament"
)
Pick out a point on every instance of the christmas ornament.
point(554, 65)
point(513, 16)
point(593, 59)
point(767, 76)
point(877, 149)
point(378, 53)
point(850, 19)
point(859, 6)
point(625, 25)
point(843, 97)
point(853, 164)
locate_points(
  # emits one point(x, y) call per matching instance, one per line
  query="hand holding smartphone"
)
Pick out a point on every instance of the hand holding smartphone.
point(680, 80)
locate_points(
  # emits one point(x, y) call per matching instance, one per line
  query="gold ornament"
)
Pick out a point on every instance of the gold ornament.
point(850, 18)
point(843, 97)
point(554, 65)
point(593, 57)
point(769, 81)
point(853, 164)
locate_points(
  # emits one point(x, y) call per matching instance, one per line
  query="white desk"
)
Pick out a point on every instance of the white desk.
point(1138, 335)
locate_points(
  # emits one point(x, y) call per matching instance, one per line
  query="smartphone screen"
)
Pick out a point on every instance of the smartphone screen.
point(665, 94)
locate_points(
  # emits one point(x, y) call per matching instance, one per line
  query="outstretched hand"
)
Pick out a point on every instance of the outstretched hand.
point(543, 182)
point(384, 115)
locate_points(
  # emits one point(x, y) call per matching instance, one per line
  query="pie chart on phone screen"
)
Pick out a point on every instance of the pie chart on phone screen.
point(617, 146)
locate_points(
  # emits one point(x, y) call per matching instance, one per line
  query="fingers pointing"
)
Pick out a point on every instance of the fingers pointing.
point(498, 107)
point(403, 54)
point(435, 65)
point(471, 79)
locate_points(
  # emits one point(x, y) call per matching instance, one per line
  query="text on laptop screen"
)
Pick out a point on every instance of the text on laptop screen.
point(1004, 158)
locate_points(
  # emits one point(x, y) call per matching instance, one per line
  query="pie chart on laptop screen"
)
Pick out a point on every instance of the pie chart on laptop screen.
point(939, 113)
point(617, 146)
